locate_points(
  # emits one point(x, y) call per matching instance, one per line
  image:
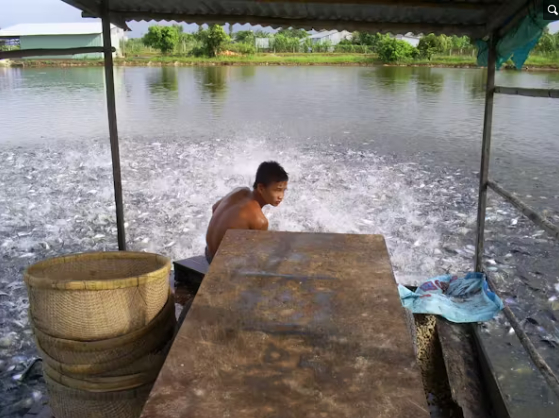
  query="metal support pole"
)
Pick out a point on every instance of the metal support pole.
point(485, 151)
point(113, 129)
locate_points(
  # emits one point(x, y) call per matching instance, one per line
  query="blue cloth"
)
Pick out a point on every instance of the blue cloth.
point(466, 299)
point(517, 42)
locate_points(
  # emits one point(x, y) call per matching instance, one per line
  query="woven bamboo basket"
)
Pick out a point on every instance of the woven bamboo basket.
point(150, 364)
point(96, 296)
point(67, 402)
point(103, 356)
point(103, 383)
point(145, 364)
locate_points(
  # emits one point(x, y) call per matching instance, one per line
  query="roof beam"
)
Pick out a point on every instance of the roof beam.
point(276, 22)
point(509, 13)
point(95, 13)
point(114, 18)
point(23, 53)
point(398, 3)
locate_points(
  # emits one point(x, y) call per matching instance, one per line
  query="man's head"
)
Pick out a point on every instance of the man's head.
point(271, 182)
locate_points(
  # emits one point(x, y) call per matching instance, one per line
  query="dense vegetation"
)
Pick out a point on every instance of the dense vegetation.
point(214, 41)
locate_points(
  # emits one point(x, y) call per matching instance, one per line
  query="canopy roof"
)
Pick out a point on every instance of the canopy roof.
point(474, 18)
point(33, 29)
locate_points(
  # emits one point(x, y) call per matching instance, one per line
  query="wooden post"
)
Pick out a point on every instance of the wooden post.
point(485, 151)
point(113, 129)
point(24, 53)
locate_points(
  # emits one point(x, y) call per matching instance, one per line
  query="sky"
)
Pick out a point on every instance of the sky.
point(13, 12)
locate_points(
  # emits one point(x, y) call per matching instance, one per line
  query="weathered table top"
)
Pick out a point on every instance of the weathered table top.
point(293, 325)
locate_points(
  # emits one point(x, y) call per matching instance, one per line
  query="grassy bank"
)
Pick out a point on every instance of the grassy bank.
point(534, 62)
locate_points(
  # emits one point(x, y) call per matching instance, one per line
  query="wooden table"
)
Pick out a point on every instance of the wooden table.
point(293, 325)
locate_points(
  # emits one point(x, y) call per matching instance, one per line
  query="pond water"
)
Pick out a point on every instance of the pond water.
point(391, 150)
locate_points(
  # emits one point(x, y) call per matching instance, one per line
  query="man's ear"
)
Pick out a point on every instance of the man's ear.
point(260, 187)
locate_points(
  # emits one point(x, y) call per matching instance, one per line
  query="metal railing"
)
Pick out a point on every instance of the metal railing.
point(485, 184)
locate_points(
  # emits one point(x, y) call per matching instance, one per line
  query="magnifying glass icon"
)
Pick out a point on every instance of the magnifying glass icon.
point(552, 9)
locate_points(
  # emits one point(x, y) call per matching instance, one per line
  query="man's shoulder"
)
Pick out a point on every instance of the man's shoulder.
point(243, 190)
point(235, 196)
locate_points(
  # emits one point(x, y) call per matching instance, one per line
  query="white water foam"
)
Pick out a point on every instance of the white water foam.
point(59, 199)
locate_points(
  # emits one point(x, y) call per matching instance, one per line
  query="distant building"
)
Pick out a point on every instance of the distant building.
point(63, 35)
point(262, 43)
point(409, 37)
point(332, 36)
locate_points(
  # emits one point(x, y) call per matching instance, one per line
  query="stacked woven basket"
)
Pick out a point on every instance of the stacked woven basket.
point(103, 323)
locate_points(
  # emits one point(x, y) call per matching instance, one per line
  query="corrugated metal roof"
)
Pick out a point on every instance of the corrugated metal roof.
point(474, 18)
point(33, 29)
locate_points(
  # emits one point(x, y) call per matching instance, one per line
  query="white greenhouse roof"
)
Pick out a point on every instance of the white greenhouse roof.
point(35, 29)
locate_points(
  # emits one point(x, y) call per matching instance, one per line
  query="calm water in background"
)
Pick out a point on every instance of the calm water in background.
point(422, 114)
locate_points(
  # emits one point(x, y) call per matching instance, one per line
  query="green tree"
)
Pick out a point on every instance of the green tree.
point(293, 33)
point(187, 41)
point(133, 46)
point(431, 44)
point(211, 41)
point(445, 44)
point(245, 37)
point(282, 43)
point(459, 42)
point(394, 50)
point(369, 39)
point(164, 38)
point(262, 34)
point(242, 48)
point(217, 39)
point(324, 46)
point(547, 44)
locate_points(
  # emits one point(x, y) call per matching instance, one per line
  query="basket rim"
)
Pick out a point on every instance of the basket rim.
point(109, 343)
point(117, 283)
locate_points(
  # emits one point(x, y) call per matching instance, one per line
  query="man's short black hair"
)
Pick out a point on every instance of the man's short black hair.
point(269, 172)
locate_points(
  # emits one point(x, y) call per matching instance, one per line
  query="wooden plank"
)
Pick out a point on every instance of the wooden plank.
point(191, 271)
point(44, 52)
point(463, 369)
point(550, 93)
point(293, 325)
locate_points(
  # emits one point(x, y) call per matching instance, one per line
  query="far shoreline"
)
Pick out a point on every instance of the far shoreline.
point(291, 60)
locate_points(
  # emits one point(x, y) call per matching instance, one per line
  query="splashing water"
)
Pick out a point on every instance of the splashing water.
point(59, 199)
point(329, 191)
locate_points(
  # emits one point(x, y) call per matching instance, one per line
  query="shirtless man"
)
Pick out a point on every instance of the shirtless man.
point(242, 208)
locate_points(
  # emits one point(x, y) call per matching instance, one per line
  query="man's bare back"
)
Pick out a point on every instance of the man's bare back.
point(242, 208)
point(237, 210)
